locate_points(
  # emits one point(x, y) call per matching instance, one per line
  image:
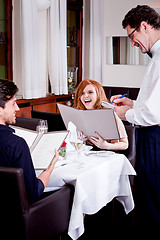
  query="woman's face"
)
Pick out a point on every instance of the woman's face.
point(89, 96)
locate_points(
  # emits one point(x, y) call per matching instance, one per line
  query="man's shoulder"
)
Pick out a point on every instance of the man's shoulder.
point(10, 138)
point(17, 140)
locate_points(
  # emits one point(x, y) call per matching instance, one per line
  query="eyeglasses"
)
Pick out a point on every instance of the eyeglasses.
point(131, 34)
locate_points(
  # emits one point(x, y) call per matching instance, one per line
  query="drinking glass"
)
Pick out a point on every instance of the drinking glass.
point(42, 127)
point(78, 143)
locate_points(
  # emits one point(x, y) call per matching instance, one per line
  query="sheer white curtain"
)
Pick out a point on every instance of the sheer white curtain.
point(92, 40)
point(30, 70)
point(134, 55)
point(57, 51)
point(109, 47)
point(25, 51)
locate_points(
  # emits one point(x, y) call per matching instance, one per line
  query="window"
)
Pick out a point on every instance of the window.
point(5, 39)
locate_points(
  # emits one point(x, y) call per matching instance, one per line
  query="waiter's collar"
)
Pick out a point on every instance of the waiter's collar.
point(155, 47)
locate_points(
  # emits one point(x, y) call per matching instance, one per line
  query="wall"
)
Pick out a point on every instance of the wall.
point(114, 12)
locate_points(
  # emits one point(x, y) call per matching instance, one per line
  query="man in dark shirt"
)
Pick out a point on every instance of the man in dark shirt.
point(14, 151)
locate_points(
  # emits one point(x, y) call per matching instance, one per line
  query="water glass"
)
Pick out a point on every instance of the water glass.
point(42, 127)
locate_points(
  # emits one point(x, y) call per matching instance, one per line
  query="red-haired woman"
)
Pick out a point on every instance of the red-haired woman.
point(89, 95)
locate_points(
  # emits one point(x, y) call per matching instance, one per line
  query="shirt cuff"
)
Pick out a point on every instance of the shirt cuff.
point(129, 116)
point(134, 102)
point(40, 188)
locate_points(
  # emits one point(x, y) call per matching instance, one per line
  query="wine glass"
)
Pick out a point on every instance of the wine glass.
point(42, 127)
point(78, 143)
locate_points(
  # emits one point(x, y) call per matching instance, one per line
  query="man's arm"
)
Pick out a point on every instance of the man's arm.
point(45, 175)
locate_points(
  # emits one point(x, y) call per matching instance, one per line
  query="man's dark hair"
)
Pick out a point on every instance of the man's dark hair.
point(7, 90)
point(141, 13)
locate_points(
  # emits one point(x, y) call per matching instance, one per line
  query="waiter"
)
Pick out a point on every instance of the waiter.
point(142, 24)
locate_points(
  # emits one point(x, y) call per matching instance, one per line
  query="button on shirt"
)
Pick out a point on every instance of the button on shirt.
point(145, 111)
point(14, 152)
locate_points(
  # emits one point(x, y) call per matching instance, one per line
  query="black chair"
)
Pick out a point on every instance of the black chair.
point(27, 123)
point(130, 152)
point(45, 219)
point(132, 93)
point(55, 121)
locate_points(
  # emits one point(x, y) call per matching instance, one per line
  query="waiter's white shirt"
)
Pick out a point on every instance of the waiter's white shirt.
point(146, 108)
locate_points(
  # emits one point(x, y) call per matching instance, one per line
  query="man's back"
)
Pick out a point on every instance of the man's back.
point(14, 152)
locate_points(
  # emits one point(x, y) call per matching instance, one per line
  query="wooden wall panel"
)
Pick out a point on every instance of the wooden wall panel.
point(24, 112)
point(48, 107)
point(46, 104)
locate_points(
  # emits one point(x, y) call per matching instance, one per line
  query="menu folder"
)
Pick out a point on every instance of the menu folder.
point(41, 145)
point(102, 121)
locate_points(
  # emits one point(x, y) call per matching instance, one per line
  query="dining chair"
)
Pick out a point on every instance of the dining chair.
point(28, 123)
point(55, 121)
point(130, 152)
point(42, 220)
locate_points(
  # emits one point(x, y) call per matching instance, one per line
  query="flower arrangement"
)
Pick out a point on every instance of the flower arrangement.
point(71, 85)
point(62, 150)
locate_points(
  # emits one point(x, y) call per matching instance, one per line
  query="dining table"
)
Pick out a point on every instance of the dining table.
point(100, 177)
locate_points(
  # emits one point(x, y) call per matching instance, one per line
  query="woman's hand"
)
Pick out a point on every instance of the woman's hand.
point(99, 142)
point(113, 145)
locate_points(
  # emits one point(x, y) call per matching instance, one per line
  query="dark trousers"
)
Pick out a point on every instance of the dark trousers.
point(147, 181)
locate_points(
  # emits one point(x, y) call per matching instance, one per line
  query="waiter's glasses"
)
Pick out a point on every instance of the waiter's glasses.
point(131, 34)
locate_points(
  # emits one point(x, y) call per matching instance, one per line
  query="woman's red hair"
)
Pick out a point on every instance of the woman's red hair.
point(101, 96)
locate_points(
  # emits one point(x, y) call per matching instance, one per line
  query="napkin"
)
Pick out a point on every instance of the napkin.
point(72, 137)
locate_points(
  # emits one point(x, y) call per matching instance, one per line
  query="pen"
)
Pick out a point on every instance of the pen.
point(120, 97)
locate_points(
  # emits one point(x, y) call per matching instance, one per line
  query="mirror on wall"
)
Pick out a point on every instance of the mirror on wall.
point(119, 51)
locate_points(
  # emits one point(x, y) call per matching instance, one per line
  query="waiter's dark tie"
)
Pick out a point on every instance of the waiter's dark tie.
point(149, 54)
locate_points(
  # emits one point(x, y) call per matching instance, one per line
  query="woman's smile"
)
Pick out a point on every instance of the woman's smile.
point(89, 97)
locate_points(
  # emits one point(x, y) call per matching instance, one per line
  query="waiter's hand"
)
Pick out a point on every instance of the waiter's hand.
point(121, 111)
point(121, 101)
point(122, 105)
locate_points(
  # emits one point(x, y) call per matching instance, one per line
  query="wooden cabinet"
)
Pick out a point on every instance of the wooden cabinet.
point(24, 112)
point(46, 104)
point(6, 39)
point(74, 42)
point(46, 107)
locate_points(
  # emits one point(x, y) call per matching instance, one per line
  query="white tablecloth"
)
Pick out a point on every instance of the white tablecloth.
point(102, 178)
